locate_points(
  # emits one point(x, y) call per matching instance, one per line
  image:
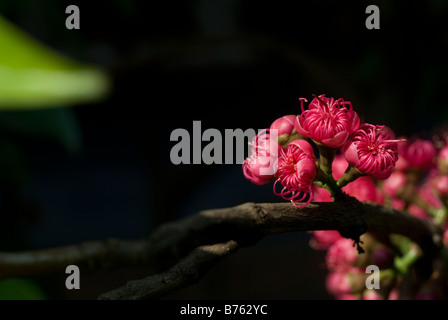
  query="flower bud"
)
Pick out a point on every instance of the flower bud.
point(323, 239)
point(285, 130)
point(442, 160)
point(382, 257)
point(364, 189)
point(418, 153)
point(371, 294)
point(348, 282)
point(394, 184)
point(394, 294)
point(341, 255)
point(440, 184)
point(337, 283)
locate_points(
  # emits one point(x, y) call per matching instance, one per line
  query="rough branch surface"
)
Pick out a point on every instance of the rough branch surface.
point(179, 253)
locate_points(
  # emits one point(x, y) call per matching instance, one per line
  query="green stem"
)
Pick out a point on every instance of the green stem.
point(351, 174)
point(327, 181)
point(326, 157)
point(440, 216)
point(403, 263)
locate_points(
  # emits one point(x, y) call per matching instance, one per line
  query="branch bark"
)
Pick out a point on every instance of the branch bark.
point(184, 250)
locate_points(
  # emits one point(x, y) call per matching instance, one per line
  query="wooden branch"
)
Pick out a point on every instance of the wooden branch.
point(189, 270)
point(244, 224)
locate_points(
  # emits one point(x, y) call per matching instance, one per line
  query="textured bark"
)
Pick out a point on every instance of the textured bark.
point(183, 251)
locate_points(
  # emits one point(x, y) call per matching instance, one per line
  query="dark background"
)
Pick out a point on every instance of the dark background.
point(230, 64)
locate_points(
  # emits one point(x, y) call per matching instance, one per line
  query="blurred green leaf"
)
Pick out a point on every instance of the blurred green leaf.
point(20, 289)
point(58, 124)
point(34, 76)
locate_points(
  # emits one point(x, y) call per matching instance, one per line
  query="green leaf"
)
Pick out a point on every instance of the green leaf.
point(35, 76)
point(20, 289)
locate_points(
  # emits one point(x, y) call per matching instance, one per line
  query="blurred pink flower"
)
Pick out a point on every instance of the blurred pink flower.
point(440, 184)
point(442, 160)
point(343, 284)
point(373, 150)
point(426, 192)
point(296, 172)
point(341, 255)
point(394, 183)
point(364, 189)
point(327, 121)
point(394, 294)
point(323, 239)
point(371, 295)
point(417, 153)
point(337, 283)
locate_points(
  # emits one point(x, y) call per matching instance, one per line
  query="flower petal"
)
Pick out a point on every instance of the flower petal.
point(299, 128)
point(351, 154)
point(337, 140)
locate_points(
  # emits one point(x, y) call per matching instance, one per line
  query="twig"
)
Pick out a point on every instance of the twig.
point(189, 270)
point(244, 224)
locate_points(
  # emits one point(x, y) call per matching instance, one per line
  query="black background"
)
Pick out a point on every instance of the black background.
point(229, 64)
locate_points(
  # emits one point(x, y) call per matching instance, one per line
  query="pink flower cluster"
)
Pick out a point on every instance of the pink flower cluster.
point(347, 275)
point(287, 161)
point(295, 162)
point(418, 185)
point(326, 151)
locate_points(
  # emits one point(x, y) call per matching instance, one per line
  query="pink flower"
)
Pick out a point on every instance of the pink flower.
point(284, 125)
point(371, 295)
point(323, 239)
point(321, 195)
point(417, 212)
point(337, 283)
point(327, 121)
point(394, 294)
point(440, 184)
point(347, 296)
point(372, 150)
point(394, 184)
point(427, 193)
point(442, 160)
point(417, 153)
point(344, 284)
point(285, 129)
point(341, 255)
point(364, 189)
point(296, 172)
point(260, 166)
point(339, 166)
